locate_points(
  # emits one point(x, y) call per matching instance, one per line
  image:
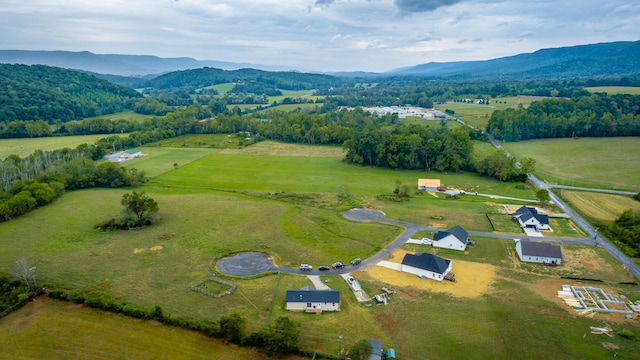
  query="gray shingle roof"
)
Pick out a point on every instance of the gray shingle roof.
point(313, 296)
point(540, 249)
point(525, 213)
point(457, 231)
point(427, 262)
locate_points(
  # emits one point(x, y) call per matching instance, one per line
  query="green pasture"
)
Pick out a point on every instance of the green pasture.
point(607, 163)
point(159, 160)
point(294, 94)
point(478, 114)
point(26, 147)
point(125, 115)
point(222, 88)
point(611, 90)
point(49, 329)
point(293, 107)
point(221, 141)
point(286, 200)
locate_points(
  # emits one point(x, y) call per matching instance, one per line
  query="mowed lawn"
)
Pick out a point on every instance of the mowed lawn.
point(632, 90)
point(607, 163)
point(26, 147)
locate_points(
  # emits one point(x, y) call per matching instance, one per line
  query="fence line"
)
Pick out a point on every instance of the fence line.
point(197, 288)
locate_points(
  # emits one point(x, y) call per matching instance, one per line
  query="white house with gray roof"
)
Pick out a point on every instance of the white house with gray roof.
point(539, 252)
point(454, 238)
point(528, 217)
point(311, 300)
point(426, 265)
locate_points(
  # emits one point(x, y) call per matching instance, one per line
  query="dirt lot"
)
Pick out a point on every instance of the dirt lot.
point(472, 279)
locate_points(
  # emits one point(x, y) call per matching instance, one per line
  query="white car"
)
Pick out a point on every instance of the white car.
point(306, 267)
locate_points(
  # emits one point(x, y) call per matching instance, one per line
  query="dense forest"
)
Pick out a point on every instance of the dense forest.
point(594, 116)
point(52, 94)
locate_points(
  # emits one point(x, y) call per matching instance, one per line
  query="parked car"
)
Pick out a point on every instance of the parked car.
point(337, 265)
point(324, 267)
point(306, 267)
point(350, 279)
point(355, 261)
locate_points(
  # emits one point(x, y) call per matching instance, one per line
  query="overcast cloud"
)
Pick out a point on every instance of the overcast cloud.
point(322, 35)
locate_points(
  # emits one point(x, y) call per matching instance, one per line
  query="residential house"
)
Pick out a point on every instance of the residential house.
point(130, 154)
point(426, 266)
point(539, 252)
point(428, 184)
point(311, 300)
point(528, 217)
point(455, 238)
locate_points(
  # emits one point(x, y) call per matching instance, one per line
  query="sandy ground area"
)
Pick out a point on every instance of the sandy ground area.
point(153, 248)
point(472, 279)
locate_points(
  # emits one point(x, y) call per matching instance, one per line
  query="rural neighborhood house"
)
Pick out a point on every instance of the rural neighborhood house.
point(426, 266)
point(309, 299)
point(539, 252)
point(455, 238)
point(428, 184)
point(528, 217)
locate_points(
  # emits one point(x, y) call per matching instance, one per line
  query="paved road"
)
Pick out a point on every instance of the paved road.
point(593, 233)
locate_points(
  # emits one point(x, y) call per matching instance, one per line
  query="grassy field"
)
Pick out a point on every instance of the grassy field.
point(611, 90)
point(26, 147)
point(478, 115)
point(49, 329)
point(599, 206)
point(608, 163)
point(125, 115)
point(281, 199)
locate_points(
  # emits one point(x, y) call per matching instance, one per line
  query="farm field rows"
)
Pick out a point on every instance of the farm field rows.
point(284, 200)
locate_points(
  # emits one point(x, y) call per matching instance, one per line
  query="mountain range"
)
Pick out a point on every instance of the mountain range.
point(620, 58)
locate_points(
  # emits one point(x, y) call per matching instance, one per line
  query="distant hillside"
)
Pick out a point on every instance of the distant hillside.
point(47, 93)
point(585, 61)
point(123, 65)
point(198, 78)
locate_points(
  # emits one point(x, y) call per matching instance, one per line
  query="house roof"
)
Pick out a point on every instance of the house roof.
point(541, 249)
point(313, 295)
point(525, 213)
point(430, 183)
point(427, 262)
point(376, 349)
point(458, 232)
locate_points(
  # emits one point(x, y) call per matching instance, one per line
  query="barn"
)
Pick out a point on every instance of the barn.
point(539, 252)
point(426, 266)
point(309, 299)
point(455, 238)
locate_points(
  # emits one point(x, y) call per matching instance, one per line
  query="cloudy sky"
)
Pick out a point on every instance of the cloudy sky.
point(321, 35)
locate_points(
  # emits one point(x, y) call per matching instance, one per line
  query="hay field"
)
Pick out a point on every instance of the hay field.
point(601, 206)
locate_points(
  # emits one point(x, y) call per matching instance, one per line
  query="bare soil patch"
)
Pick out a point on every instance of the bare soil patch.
point(156, 248)
point(472, 279)
point(138, 251)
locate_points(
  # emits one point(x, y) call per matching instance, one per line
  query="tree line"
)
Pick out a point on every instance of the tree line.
point(592, 116)
point(40, 178)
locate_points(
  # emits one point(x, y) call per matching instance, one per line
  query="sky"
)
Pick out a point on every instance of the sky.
point(316, 35)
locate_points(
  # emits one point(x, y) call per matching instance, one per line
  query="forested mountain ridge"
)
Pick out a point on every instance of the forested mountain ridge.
point(285, 80)
point(47, 93)
point(620, 58)
point(123, 65)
